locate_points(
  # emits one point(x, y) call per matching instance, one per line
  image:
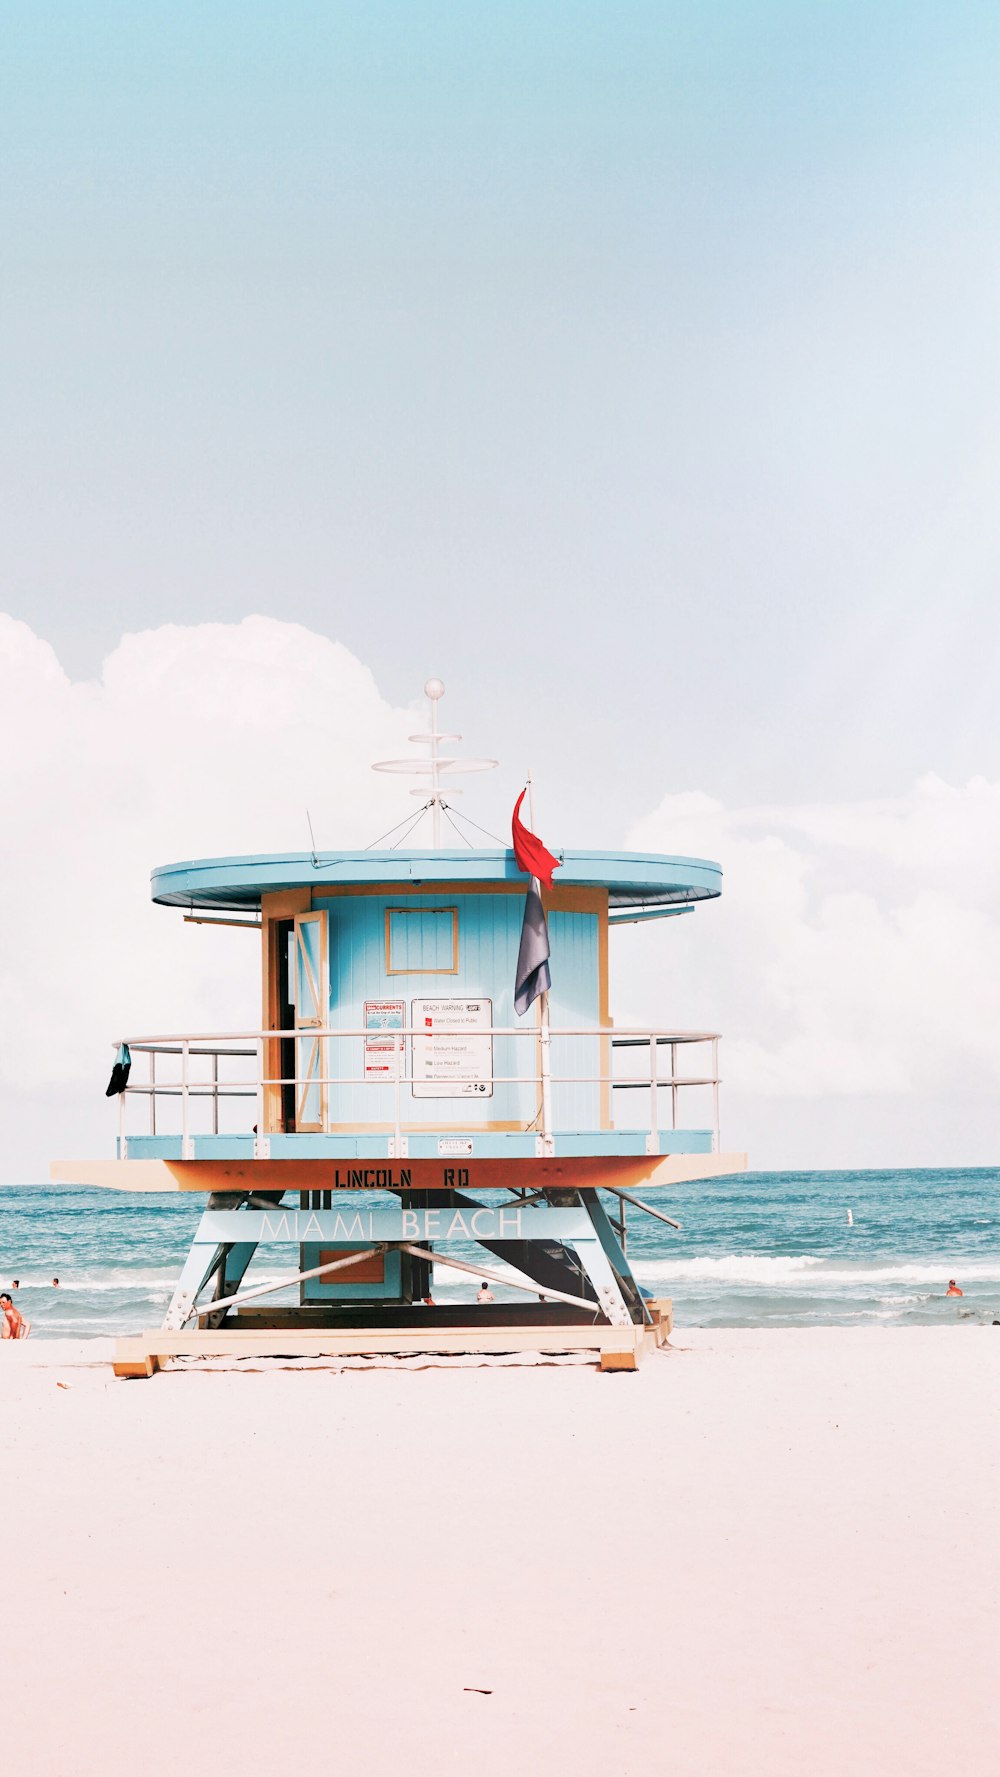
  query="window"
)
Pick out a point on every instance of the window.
point(421, 940)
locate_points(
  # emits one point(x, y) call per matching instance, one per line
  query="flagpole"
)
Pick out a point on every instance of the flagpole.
point(544, 1032)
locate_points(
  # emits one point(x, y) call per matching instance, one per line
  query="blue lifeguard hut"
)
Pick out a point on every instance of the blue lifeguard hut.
point(393, 1114)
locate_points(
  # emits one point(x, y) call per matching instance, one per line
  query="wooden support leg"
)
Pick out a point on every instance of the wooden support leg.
point(132, 1360)
point(619, 1360)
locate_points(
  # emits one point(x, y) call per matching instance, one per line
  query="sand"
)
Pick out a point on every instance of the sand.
point(766, 1552)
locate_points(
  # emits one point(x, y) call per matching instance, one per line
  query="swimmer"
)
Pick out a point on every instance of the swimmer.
point(953, 1289)
point(485, 1293)
point(55, 1283)
point(14, 1324)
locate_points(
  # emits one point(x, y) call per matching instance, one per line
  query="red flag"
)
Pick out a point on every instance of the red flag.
point(532, 856)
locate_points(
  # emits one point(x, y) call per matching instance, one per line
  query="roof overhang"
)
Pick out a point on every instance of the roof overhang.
point(633, 879)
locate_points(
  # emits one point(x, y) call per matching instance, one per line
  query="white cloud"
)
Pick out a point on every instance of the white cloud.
point(856, 948)
point(205, 740)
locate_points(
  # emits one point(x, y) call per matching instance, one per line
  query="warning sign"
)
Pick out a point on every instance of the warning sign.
point(383, 1053)
point(455, 1058)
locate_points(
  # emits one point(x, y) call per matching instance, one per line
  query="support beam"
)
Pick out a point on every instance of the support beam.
point(203, 1260)
point(637, 1203)
point(614, 1252)
point(530, 1289)
point(595, 1264)
point(236, 1257)
point(551, 1262)
point(282, 1283)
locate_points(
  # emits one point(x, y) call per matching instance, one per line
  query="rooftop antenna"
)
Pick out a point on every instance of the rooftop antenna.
point(312, 839)
point(434, 766)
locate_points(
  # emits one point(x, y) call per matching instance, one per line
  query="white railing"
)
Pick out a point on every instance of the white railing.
point(196, 1077)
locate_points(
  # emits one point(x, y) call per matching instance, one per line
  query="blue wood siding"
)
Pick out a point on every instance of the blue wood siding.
point(489, 931)
point(574, 1000)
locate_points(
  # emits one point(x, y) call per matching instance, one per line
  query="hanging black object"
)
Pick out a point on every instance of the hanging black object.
point(120, 1072)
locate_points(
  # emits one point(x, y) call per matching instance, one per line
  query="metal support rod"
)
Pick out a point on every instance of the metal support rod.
point(637, 1202)
point(215, 1092)
point(435, 777)
point(673, 1085)
point(530, 1289)
point(195, 919)
point(545, 1065)
point(185, 1058)
point(397, 1065)
point(622, 1036)
point(260, 1088)
point(654, 1094)
point(715, 1092)
point(268, 1289)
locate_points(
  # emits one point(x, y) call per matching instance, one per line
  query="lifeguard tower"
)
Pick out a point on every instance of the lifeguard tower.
point(393, 1114)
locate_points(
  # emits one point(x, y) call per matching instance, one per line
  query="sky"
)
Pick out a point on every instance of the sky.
point(633, 368)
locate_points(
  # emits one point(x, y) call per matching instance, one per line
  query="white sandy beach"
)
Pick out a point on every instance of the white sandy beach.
point(765, 1552)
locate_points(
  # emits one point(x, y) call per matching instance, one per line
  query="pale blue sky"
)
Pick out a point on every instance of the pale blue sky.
point(633, 366)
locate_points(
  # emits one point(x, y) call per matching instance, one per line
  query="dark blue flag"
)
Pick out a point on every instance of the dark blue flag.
point(532, 976)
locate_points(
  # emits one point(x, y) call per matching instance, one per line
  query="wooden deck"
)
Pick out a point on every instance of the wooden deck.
point(454, 1331)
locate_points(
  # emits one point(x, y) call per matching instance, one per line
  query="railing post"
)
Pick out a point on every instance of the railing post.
point(715, 1094)
point(122, 1136)
point(187, 1144)
point(215, 1091)
point(152, 1092)
point(397, 1087)
point(261, 1143)
point(545, 1067)
point(673, 1085)
point(653, 1138)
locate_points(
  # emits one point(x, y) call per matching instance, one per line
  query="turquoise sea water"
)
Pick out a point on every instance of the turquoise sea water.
point(761, 1249)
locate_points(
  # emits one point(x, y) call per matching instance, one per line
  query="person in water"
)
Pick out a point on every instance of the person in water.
point(953, 1289)
point(485, 1293)
point(14, 1325)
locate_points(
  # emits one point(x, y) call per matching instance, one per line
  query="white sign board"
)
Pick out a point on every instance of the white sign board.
point(455, 1058)
point(382, 1017)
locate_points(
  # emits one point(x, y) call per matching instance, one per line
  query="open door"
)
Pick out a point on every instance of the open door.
point(311, 972)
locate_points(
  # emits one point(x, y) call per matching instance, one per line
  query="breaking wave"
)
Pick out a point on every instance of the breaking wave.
point(760, 1271)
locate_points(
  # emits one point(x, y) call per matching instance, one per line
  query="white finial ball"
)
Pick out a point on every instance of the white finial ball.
point(434, 688)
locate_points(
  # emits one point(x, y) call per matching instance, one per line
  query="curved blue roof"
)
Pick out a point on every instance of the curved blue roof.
point(236, 884)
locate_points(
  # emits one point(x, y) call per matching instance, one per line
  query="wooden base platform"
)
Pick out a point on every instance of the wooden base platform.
point(615, 1348)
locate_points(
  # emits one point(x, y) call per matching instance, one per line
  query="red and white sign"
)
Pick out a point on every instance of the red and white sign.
point(383, 1051)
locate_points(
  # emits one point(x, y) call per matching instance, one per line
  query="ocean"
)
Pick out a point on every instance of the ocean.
point(759, 1249)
